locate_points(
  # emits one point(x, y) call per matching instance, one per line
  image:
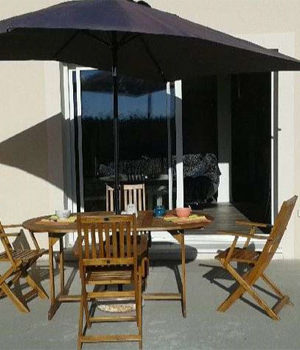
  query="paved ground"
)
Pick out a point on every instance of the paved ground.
point(241, 327)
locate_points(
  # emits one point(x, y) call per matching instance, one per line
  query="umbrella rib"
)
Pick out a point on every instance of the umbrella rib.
point(127, 38)
point(94, 36)
point(153, 59)
point(67, 43)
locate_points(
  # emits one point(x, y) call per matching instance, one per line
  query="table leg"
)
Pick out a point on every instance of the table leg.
point(35, 242)
point(179, 236)
point(54, 302)
point(61, 265)
point(51, 277)
point(183, 276)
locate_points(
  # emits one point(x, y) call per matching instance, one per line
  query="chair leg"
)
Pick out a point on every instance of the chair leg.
point(86, 309)
point(139, 307)
point(18, 303)
point(262, 304)
point(80, 325)
point(8, 284)
point(145, 267)
point(244, 286)
point(231, 299)
point(40, 290)
point(283, 299)
point(272, 285)
point(137, 299)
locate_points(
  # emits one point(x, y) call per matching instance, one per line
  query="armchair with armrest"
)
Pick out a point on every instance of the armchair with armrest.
point(257, 261)
point(109, 255)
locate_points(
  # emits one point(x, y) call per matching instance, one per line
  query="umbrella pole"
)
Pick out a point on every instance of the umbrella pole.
point(116, 122)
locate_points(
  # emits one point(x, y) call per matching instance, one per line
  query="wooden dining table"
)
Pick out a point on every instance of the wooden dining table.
point(145, 222)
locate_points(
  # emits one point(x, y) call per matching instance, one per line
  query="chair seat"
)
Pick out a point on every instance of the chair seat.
point(24, 255)
point(239, 255)
point(109, 275)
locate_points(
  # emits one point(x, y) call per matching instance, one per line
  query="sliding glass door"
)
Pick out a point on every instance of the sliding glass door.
point(147, 137)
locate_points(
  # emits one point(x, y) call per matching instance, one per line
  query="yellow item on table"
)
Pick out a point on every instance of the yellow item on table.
point(54, 218)
point(191, 218)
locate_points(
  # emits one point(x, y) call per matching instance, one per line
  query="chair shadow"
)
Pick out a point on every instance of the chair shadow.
point(218, 272)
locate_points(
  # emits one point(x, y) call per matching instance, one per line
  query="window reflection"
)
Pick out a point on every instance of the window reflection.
point(143, 137)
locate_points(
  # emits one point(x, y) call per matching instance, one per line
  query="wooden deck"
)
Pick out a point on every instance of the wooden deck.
point(225, 215)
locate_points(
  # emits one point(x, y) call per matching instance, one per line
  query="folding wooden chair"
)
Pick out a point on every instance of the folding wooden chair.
point(20, 261)
point(257, 261)
point(136, 194)
point(108, 255)
point(132, 194)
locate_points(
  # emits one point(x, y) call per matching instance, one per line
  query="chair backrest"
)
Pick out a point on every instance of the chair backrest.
point(6, 244)
point(110, 199)
point(107, 240)
point(131, 194)
point(134, 194)
point(276, 234)
point(109, 195)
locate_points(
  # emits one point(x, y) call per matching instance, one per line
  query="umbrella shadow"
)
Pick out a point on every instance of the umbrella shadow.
point(19, 151)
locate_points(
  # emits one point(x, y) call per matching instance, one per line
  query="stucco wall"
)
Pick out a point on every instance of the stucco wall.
point(30, 133)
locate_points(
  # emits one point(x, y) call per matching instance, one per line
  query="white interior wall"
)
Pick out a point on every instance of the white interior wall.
point(224, 138)
point(285, 43)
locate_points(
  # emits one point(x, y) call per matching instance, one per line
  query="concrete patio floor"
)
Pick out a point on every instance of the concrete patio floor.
point(243, 326)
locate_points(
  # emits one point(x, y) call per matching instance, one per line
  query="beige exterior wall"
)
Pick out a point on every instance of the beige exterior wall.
point(30, 134)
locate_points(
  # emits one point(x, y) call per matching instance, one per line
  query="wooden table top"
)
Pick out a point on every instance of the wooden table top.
point(145, 222)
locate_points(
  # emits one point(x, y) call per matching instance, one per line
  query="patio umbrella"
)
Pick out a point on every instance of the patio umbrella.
point(133, 39)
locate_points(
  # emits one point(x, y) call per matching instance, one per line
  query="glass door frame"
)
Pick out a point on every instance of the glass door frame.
point(75, 134)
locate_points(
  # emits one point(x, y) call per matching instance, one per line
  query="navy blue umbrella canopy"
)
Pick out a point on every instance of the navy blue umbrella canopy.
point(133, 39)
point(151, 44)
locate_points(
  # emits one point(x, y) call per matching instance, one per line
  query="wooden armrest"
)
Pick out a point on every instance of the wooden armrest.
point(11, 226)
point(9, 234)
point(242, 234)
point(252, 223)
